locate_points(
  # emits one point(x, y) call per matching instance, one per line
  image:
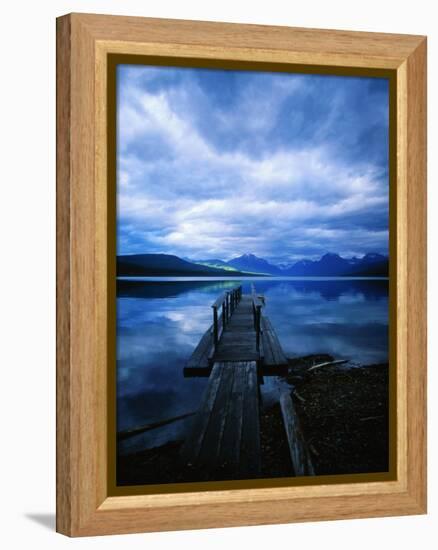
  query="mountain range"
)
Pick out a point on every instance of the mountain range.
point(166, 265)
point(329, 265)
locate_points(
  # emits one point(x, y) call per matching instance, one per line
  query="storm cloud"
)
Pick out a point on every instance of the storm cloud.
point(215, 163)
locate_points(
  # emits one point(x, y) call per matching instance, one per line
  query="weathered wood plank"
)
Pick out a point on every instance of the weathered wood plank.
point(299, 454)
point(193, 442)
point(224, 442)
point(209, 450)
point(274, 354)
point(222, 297)
point(229, 453)
point(239, 336)
point(243, 356)
point(250, 457)
point(219, 300)
point(199, 357)
point(237, 341)
point(261, 350)
point(268, 359)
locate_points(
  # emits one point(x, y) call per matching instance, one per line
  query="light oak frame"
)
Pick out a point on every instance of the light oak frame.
point(83, 504)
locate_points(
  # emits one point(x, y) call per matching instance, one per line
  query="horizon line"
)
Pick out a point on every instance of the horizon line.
point(248, 254)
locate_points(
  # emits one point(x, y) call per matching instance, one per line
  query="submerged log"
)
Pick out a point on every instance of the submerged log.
point(299, 454)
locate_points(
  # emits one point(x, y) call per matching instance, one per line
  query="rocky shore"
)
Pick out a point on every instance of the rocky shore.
point(343, 412)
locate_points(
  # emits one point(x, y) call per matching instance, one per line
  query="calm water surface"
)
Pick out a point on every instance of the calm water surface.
point(160, 322)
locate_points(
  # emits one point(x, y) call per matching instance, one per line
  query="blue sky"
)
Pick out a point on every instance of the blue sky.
point(215, 164)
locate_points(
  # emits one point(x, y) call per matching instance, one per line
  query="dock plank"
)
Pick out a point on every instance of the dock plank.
point(224, 441)
point(191, 446)
point(208, 454)
point(237, 342)
point(229, 454)
point(250, 455)
point(274, 354)
point(199, 357)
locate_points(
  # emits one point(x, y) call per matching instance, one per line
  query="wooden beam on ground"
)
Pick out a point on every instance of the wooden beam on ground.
point(299, 454)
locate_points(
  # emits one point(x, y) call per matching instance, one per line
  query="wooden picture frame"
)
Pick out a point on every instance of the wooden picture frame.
point(84, 256)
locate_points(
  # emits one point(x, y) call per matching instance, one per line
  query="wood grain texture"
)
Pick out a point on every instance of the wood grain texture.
point(224, 439)
point(299, 454)
point(323, 46)
point(84, 506)
point(63, 403)
point(417, 271)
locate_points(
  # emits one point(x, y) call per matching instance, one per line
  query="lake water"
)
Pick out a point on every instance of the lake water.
point(160, 322)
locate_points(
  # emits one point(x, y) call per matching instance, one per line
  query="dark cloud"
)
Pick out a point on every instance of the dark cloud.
point(217, 163)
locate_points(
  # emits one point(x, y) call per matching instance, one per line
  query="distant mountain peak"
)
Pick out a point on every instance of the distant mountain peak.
point(330, 255)
point(374, 256)
point(252, 263)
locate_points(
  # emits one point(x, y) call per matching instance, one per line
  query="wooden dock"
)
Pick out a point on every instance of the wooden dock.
point(239, 346)
point(239, 332)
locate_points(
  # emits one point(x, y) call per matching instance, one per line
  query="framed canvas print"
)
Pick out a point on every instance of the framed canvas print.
point(241, 280)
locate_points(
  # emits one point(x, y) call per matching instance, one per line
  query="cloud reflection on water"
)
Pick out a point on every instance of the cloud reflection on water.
point(159, 325)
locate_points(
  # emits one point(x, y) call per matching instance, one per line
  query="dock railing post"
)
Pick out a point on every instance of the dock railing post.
point(224, 312)
point(215, 327)
point(258, 319)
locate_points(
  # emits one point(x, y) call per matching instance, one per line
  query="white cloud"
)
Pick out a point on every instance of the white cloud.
point(201, 200)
